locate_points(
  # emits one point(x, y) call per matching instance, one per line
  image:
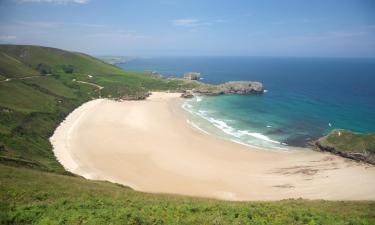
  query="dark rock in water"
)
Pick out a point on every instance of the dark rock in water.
point(298, 140)
point(275, 131)
point(242, 87)
point(360, 147)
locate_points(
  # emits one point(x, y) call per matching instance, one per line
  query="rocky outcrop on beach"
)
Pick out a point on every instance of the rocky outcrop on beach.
point(139, 96)
point(187, 94)
point(231, 87)
point(359, 147)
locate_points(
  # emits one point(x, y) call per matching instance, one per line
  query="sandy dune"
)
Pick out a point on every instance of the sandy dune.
point(149, 146)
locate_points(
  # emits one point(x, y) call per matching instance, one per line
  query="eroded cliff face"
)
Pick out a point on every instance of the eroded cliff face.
point(360, 147)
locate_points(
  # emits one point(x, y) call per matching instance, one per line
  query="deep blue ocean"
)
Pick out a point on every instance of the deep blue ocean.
point(305, 98)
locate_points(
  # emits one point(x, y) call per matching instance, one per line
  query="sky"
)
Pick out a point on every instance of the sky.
point(293, 28)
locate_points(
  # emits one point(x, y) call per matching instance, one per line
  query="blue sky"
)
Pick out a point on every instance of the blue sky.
point(319, 28)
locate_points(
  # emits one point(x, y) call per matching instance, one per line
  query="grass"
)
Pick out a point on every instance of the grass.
point(35, 197)
point(11, 67)
point(35, 188)
point(350, 141)
point(17, 96)
point(52, 85)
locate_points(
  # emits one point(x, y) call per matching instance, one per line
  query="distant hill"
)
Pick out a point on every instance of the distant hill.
point(115, 59)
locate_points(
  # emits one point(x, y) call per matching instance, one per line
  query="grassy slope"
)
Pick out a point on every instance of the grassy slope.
point(30, 110)
point(30, 196)
point(11, 67)
point(349, 141)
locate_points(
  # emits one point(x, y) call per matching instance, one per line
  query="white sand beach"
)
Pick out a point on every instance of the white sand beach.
point(149, 146)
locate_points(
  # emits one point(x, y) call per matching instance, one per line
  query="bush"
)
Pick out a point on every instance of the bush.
point(43, 69)
point(68, 68)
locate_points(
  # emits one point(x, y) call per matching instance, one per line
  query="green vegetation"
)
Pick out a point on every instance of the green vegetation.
point(11, 67)
point(350, 141)
point(34, 197)
point(39, 87)
point(349, 144)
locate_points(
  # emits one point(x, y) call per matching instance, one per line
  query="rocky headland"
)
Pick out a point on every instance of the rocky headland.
point(231, 87)
point(360, 147)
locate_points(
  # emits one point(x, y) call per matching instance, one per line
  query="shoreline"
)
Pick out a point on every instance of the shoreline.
point(149, 146)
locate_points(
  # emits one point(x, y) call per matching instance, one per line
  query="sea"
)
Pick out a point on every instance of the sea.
point(304, 98)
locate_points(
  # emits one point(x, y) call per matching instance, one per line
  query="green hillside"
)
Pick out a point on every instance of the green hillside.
point(39, 87)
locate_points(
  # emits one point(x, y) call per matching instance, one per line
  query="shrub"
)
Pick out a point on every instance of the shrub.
point(68, 68)
point(43, 69)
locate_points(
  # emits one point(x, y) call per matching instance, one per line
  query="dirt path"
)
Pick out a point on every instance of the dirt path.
point(92, 84)
point(22, 78)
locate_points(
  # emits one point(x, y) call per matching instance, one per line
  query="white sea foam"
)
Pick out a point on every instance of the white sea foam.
point(196, 126)
point(187, 106)
point(259, 136)
point(268, 126)
point(243, 143)
point(243, 137)
point(203, 112)
point(223, 126)
point(198, 99)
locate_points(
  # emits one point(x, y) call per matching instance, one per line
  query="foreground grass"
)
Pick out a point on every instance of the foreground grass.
point(35, 197)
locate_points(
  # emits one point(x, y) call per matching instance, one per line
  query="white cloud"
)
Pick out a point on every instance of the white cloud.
point(38, 24)
point(55, 1)
point(186, 22)
point(193, 23)
point(7, 37)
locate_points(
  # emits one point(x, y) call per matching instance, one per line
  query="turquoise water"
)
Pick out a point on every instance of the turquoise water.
point(305, 98)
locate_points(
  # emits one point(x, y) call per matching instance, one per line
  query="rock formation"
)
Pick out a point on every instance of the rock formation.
point(360, 147)
point(231, 87)
point(192, 76)
point(187, 94)
point(139, 96)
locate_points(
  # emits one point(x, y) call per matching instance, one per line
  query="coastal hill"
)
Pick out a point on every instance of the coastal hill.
point(360, 147)
point(39, 87)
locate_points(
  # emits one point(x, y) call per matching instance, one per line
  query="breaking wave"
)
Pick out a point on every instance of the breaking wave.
point(240, 136)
